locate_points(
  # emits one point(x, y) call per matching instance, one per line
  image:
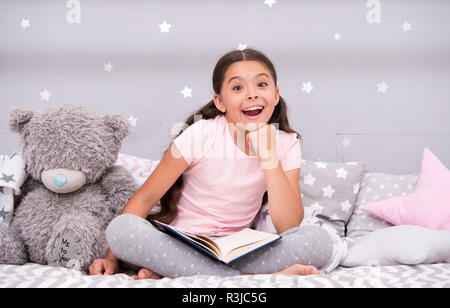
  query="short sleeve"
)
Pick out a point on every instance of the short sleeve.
point(291, 156)
point(194, 141)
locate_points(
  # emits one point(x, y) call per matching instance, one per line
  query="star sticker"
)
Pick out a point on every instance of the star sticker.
point(186, 92)
point(309, 179)
point(346, 142)
point(45, 95)
point(165, 27)
point(133, 121)
point(242, 46)
point(269, 3)
point(7, 178)
point(406, 26)
point(337, 36)
point(25, 23)
point(382, 87)
point(3, 213)
point(108, 67)
point(307, 87)
point(346, 206)
point(328, 191)
point(341, 173)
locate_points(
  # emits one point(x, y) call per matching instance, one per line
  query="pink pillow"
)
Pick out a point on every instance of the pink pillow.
point(428, 206)
point(433, 172)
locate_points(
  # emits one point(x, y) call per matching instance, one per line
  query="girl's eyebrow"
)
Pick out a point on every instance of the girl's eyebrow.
point(256, 76)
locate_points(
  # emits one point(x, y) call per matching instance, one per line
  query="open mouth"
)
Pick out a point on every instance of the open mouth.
point(253, 112)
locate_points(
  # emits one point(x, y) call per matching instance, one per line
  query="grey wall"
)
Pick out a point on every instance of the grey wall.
point(344, 118)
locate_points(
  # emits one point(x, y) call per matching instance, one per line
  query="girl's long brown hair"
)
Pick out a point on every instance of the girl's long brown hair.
point(169, 201)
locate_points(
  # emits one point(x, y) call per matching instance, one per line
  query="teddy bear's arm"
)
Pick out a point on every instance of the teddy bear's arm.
point(120, 186)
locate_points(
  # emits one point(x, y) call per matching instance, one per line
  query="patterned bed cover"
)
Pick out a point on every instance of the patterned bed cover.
point(422, 276)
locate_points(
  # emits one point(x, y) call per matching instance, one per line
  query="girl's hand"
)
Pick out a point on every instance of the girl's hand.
point(264, 143)
point(103, 267)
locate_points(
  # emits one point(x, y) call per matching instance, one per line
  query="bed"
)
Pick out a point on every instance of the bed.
point(401, 276)
point(375, 265)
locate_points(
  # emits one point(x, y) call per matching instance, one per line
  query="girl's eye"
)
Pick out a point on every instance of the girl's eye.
point(237, 88)
point(262, 84)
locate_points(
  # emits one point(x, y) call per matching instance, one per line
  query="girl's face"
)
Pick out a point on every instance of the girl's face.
point(247, 84)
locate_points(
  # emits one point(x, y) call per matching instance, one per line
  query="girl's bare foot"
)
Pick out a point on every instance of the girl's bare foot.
point(299, 269)
point(145, 273)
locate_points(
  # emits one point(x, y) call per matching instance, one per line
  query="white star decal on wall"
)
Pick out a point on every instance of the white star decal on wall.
point(406, 26)
point(25, 23)
point(108, 67)
point(269, 3)
point(382, 87)
point(165, 27)
point(242, 46)
point(346, 142)
point(45, 95)
point(132, 121)
point(337, 36)
point(307, 87)
point(187, 92)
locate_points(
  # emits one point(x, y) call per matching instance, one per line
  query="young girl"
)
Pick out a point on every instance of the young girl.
point(213, 180)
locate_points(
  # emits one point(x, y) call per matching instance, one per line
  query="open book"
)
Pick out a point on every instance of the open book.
point(224, 249)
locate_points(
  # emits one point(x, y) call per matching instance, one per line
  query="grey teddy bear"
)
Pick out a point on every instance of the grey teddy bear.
point(73, 188)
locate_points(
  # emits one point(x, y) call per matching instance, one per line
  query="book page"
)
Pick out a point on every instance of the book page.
point(240, 251)
point(203, 241)
point(242, 238)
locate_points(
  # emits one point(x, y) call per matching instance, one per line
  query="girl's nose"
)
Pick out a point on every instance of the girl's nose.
point(253, 97)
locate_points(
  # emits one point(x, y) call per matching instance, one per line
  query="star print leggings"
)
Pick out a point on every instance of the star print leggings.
point(137, 242)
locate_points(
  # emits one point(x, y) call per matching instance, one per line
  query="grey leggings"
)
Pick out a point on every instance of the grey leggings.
point(136, 241)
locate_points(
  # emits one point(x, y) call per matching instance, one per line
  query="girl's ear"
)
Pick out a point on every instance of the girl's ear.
point(218, 103)
point(18, 118)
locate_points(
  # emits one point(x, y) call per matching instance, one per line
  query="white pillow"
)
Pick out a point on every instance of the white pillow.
point(405, 244)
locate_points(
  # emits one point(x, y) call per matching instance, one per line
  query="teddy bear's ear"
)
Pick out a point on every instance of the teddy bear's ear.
point(18, 118)
point(119, 124)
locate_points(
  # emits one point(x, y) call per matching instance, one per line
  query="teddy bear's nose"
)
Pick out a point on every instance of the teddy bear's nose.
point(60, 180)
point(63, 180)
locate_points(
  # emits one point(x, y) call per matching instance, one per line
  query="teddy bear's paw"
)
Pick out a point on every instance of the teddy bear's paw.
point(67, 251)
